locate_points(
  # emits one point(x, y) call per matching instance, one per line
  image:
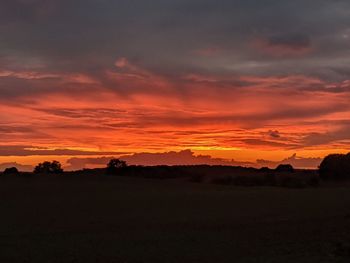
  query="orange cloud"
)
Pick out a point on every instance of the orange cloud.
point(130, 109)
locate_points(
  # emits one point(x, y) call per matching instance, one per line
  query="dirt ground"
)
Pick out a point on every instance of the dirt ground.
point(115, 219)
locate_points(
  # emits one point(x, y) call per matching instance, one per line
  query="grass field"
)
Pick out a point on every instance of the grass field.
point(116, 219)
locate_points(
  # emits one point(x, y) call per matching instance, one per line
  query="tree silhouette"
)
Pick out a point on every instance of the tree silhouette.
point(116, 166)
point(285, 168)
point(335, 166)
point(11, 170)
point(53, 167)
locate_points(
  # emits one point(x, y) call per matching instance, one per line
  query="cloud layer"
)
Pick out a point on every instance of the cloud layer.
point(241, 80)
point(187, 157)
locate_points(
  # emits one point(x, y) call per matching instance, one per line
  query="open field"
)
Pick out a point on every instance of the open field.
point(116, 219)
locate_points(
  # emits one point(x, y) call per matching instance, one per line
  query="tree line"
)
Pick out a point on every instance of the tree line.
point(333, 167)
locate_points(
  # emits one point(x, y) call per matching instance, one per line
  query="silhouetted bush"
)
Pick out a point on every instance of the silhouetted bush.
point(197, 178)
point(11, 171)
point(242, 180)
point(298, 179)
point(270, 179)
point(253, 180)
point(335, 167)
point(224, 180)
point(53, 167)
point(310, 177)
point(163, 172)
point(264, 169)
point(116, 167)
point(285, 168)
point(313, 181)
point(290, 181)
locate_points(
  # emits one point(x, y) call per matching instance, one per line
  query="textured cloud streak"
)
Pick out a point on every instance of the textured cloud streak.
point(207, 112)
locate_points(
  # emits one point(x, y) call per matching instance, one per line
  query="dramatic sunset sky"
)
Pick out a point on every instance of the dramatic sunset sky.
point(246, 82)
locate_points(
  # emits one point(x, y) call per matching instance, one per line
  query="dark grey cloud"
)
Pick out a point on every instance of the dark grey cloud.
point(285, 45)
point(88, 36)
point(19, 11)
point(291, 41)
point(274, 134)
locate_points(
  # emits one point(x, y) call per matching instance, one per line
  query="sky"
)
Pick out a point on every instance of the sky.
point(241, 82)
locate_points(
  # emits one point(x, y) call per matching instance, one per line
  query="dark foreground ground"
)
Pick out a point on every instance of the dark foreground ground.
point(114, 219)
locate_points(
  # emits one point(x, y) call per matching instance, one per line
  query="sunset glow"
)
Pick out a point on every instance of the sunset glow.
point(105, 86)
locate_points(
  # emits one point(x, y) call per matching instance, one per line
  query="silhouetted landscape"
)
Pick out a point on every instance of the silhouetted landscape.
point(195, 213)
point(174, 131)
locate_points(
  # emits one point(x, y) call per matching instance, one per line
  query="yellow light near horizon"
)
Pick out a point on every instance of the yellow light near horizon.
point(215, 148)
